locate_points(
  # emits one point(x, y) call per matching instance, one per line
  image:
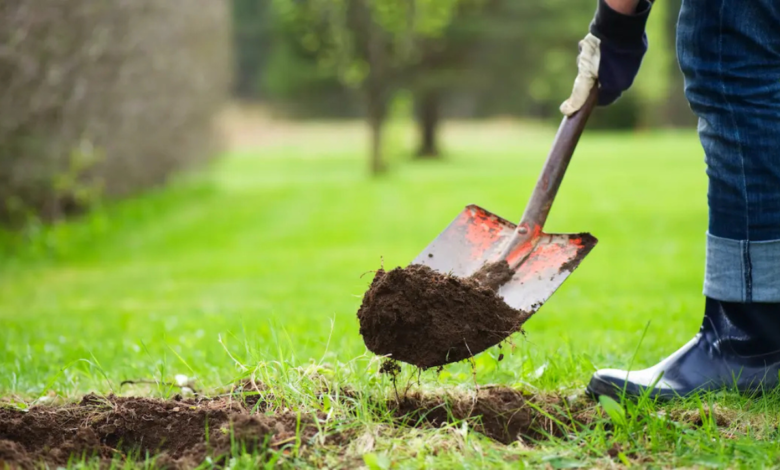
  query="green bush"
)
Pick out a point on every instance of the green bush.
point(100, 99)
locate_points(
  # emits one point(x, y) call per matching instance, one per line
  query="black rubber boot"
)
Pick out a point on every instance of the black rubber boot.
point(737, 348)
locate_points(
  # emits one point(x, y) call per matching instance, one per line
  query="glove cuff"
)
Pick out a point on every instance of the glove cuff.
point(622, 31)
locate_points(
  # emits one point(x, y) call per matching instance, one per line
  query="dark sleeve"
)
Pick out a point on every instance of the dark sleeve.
point(625, 30)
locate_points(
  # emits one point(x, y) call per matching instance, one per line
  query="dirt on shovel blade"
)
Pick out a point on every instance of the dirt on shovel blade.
point(425, 318)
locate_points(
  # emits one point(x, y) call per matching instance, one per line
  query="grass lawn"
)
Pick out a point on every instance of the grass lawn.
point(256, 268)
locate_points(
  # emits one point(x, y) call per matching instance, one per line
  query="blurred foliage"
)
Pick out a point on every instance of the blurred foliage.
point(458, 58)
point(101, 99)
point(464, 59)
point(468, 59)
point(338, 33)
point(370, 46)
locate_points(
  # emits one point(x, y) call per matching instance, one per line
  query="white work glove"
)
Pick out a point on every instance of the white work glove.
point(610, 55)
point(587, 74)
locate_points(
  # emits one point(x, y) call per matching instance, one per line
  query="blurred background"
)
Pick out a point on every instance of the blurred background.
point(103, 99)
point(199, 186)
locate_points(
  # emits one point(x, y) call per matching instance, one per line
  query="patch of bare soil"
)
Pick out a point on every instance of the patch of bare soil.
point(501, 413)
point(428, 319)
point(182, 433)
point(716, 415)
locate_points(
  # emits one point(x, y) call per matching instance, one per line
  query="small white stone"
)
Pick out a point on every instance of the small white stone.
point(182, 380)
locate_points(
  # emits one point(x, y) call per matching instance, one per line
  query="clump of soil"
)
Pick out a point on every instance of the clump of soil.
point(113, 427)
point(493, 275)
point(425, 318)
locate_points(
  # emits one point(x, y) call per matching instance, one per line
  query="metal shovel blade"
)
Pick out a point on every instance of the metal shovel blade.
point(540, 261)
point(477, 237)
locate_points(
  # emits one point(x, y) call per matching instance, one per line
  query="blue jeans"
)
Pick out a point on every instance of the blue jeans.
point(729, 52)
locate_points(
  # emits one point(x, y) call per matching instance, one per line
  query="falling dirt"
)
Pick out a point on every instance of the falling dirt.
point(113, 427)
point(419, 316)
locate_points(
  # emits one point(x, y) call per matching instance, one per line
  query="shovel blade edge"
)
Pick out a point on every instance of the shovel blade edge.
point(551, 261)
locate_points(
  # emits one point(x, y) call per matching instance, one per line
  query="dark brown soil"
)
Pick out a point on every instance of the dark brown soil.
point(184, 433)
point(114, 427)
point(501, 413)
point(419, 316)
point(494, 275)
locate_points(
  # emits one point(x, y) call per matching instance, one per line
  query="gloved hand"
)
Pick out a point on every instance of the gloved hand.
point(611, 54)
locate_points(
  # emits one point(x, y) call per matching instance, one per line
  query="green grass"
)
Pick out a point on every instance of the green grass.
point(258, 265)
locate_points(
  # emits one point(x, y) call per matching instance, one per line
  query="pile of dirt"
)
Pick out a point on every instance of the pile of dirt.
point(425, 318)
point(115, 427)
point(183, 433)
point(501, 413)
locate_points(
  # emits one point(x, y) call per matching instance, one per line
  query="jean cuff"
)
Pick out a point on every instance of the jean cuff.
point(742, 270)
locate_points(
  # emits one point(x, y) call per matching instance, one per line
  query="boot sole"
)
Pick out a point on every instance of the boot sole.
point(598, 387)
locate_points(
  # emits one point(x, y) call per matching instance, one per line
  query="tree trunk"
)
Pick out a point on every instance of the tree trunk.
point(376, 90)
point(376, 118)
point(428, 119)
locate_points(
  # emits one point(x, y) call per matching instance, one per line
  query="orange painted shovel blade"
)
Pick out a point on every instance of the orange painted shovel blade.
point(477, 237)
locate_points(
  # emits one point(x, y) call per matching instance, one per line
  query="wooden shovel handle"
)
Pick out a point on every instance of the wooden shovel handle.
point(565, 142)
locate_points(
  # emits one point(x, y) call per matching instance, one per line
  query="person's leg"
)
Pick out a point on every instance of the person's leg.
point(731, 61)
point(729, 52)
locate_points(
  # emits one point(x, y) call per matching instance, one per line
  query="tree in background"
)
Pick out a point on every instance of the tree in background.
point(370, 45)
point(253, 41)
point(457, 58)
point(500, 57)
point(273, 66)
point(444, 64)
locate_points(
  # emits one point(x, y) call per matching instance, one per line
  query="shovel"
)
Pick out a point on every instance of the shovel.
point(540, 261)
